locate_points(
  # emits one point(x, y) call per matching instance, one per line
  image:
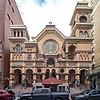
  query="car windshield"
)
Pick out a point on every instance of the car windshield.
point(35, 91)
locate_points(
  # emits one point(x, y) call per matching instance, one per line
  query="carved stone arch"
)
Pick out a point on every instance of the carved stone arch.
point(30, 69)
point(16, 69)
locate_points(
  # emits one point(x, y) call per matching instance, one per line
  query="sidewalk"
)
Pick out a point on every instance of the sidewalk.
point(19, 89)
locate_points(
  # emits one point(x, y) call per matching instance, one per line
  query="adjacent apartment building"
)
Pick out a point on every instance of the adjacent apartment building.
point(51, 53)
point(95, 71)
point(9, 15)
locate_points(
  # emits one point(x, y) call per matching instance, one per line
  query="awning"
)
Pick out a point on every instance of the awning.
point(52, 80)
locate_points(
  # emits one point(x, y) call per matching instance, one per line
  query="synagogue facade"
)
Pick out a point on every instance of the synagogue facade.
point(51, 53)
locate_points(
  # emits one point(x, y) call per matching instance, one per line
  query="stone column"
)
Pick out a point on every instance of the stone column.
point(11, 82)
point(57, 76)
point(34, 80)
point(66, 77)
point(43, 77)
point(23, 73)
point(77, 80)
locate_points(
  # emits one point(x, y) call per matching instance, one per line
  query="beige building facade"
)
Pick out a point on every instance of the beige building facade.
point(95, 71)
point(51, 53)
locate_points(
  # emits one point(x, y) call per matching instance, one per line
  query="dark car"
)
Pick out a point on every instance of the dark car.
point(5, 95)
point(91, 95)
point(80, 93)
point(43, 94)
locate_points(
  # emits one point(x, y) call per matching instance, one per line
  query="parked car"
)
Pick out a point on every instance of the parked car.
point(43, 94)
point(91, 95)
point(5, 95)
point(80, 93)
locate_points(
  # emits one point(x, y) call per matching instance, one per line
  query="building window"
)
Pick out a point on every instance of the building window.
point(9, 2)
point(38, 70)
point(12, 22)
point(51, 62)
point(62, 70)
point(47, 75)
point(14, 33)
point(12, 9)
point(83, 19)
point(81, 34)
point(85, 34)
point(8, 16)
point(92, 19)
point(29, 57)
point(18, 48)
point(93, 59)
point(21, 33)
point(18, 34)
point(53, 74)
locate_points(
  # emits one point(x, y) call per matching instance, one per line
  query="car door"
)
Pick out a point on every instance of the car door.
point(98, 95)
point(41, 95)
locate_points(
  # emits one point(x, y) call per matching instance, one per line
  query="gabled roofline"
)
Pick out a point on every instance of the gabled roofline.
point(50, 28)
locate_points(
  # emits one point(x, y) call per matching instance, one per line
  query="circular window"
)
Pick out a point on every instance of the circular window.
point(61, 70)
point(50, 47)
point(39, 70)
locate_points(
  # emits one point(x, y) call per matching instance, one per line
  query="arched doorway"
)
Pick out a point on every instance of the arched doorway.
point(29, 76)
point(71, 77)
point(18, 76)
point(53, 74)
point(82, 76)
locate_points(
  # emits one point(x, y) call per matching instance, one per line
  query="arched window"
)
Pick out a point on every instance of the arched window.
point(51, 61)
point(47, 75)
point(85, 34)
point(53, 74)
point(14, 33)
point(80, 34)
point(18, 48)
point(83, 19)
point(71, 51)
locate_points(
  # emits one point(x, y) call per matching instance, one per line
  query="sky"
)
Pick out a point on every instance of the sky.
point(36, 14)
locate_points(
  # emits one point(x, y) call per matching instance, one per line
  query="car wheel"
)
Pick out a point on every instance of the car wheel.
point(58, 99)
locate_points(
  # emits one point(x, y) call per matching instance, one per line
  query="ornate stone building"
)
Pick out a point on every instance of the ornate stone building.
point(51, 53)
